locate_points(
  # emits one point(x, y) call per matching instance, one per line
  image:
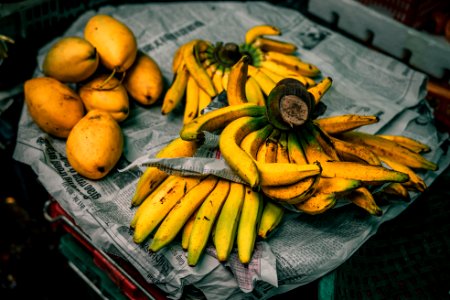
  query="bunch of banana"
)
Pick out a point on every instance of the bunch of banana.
point(202, 70)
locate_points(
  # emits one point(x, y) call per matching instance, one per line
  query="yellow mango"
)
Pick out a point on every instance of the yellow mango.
point(114, 41)
point(144, 80)
point(111, 96)
point(95, 145)
point(53, 105)
point(71, 59)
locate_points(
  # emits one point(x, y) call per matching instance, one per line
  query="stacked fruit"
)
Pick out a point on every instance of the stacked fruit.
point(288, 157)
point(203, 70)
point(80, 99)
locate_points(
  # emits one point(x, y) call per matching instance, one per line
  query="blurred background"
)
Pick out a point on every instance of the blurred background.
point(40, 259)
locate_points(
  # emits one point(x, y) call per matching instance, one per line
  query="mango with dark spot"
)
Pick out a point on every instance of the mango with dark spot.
point(95, 144)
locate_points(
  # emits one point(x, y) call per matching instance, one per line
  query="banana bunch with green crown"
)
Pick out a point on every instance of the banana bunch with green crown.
point(202, 70)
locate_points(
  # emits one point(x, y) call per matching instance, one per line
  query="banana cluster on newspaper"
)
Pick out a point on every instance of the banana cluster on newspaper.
point(272, 135)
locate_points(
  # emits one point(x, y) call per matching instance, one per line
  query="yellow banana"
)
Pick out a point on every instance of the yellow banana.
point(355, 152)
point(293, 63)
point(295, 150)
point(252, 141)
point(259, 30)
point(153, 176)
point(415, 182)
point(324, 141)
point(180, 213)
point(268, 44)
point(204, 221)
point(364, 199)
point(248, 224)
point(274, 76)
point(342, 123)
point(337, 185)
point(317, 203)
point(265, 82)
point(268, 151)
point(395, 189)
point(275, 174)
point(238, 160)
point(195, 68)
point(158, 205)
point(187, 229)
point(292, 193)
point(236, 82)
point(203, 100)
point(271, 217)
point(218, 119)
point(363, 172)
point(253, 92)
point(320, 88)
point(192, 100)
point(389, 149)
point(282, 150)
point(228, 220)
point(177, 59)
point(407, 142)
point(225, 77)
point(312, 150)
point(217, 79)
point(176, 91)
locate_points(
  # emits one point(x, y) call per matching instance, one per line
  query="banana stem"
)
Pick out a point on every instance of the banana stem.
point(294, 110)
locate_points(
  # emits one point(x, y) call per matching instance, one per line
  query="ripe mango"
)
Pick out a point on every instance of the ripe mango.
point(144, 80)
point(53, 105)
point(71, 59)
point(95, 145)
point(114, 41)
point(111, 96)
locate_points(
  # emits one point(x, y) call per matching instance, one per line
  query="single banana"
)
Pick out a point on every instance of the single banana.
point(395, 189)
point(187, 230)
point(320, 88)
point(177, 58)
point(265, 82)
point(414, 182)
point(407, 142)
point(354, 152)
point(192, 100)
point(364, 172)
point(248, 224)
point(157, 206)
point(253, 92)
point(176, 91)
point(342, 123)
point(337, 185)
point(275, 174)
point(217, 79)
point(295, 150)
point(252, 141)
point(364, 199)
point(218, 119)
point(317, 203)
point(282, 155)
point(195, 68)
point(236, 82)
point(324, 140)
point(268, 151)
point(292, 193)
point(268, 44)
point(274, 76)
point(389, 149)
point(203, 100)
point(259, 30)
point(225, 77)
point(228, 220)
point(238, 160)
point(293, 63)
point(271, 217)
point(180, 213)
point(204, 220)
point(153, 176)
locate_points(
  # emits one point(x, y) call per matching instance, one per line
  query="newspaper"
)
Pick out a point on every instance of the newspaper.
point(304, 247)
